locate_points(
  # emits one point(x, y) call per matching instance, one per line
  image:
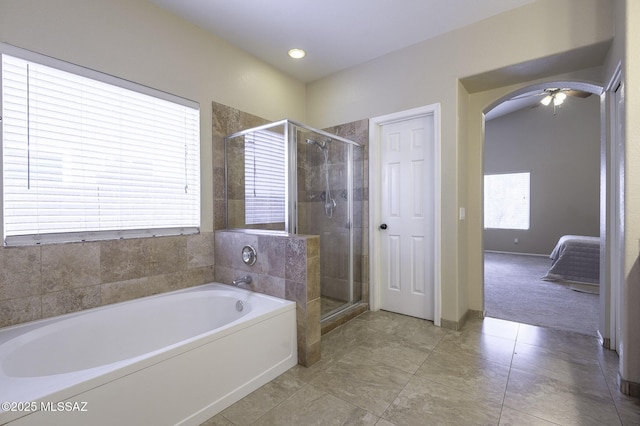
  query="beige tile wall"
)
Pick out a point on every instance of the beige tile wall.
point(44, 281)
point(287, 266)
point(226, 120)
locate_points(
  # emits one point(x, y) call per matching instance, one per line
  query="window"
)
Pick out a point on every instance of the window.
point(264, 177)
point(87, 156)
point(506, 201)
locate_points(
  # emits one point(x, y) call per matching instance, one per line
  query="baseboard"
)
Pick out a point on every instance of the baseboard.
point(457, 325)
point(476, 314)
point(605, 342)
point(628, 388)
point(513, 252)
point(450, 325)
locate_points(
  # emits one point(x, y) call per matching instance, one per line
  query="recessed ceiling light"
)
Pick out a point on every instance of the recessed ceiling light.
point(297, 53)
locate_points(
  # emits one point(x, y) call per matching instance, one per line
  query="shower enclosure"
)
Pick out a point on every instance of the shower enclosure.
point(290, 178)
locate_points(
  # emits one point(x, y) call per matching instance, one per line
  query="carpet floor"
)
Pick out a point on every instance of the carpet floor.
point(514, 291)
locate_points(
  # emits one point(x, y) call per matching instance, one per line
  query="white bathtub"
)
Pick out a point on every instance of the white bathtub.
point(173, 358)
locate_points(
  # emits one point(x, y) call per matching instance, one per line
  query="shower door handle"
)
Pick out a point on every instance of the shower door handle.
point(383, 226)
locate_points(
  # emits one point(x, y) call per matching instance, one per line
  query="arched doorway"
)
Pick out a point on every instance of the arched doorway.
point(553, 213)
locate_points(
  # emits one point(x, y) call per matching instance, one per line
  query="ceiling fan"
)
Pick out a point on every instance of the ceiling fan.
point(556, 95)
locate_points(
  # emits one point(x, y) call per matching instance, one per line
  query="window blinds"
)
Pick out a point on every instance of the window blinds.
point(264, 178)
point(84, 159)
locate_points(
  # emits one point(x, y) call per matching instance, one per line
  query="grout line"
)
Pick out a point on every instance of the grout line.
point(506, 386)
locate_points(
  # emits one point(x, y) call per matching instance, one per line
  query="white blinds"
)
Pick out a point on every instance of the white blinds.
point(264, 177)
point(82, 157)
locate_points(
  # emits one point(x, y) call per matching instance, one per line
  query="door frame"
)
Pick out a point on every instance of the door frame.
point(612, 263)
point(375, 204)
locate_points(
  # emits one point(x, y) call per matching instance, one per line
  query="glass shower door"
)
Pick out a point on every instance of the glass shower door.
point(326, 208)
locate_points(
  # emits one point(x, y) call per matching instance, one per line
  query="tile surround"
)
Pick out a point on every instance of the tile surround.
point(286, 267)
point(288, 279)
point(44, 281)
point(228, 120)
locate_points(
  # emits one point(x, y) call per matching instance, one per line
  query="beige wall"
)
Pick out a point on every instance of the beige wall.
point(625, 52)
point(429, 72)
point(134, 40)
point(628, 22)
point(137, 41)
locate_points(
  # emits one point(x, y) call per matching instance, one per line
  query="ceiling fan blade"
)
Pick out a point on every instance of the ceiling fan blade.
point(528, 95)
point(577, 93)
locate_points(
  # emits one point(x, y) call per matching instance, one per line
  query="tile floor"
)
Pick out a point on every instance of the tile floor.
point(386, 369)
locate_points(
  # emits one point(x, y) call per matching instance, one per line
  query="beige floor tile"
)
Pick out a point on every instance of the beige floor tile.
point(467, 374)
point(344, 338)
point(383, 350)
point(424, 402)
point(311, 406)
point(412, 373)
point(511, 417)
point(493, 326)
point(582, 373)
point(415, 332)
point(383, 422)
point(259, 402)
point(561, 341)
point(491, 348)
point(555, 401)
point(628, 408)
point(218, 420)
point(372, 387)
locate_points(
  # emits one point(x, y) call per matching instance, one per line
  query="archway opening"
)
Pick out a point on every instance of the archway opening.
point(541, 170)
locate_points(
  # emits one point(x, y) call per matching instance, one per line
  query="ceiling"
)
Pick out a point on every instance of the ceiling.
point(337, 34)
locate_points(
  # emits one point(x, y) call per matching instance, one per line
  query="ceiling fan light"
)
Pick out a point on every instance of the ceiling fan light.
point(558, 100)
point(546, 100)
point(561, 96)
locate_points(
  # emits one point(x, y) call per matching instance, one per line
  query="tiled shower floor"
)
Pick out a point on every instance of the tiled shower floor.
point(386, 369)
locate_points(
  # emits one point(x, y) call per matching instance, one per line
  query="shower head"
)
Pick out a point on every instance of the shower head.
point(322, 145)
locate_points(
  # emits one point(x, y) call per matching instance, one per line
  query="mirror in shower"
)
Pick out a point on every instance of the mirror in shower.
point(288, 177)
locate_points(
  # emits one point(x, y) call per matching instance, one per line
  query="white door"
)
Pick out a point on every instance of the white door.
point(407, 225)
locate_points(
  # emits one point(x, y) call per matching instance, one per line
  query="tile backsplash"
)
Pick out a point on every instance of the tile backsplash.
point(44, 281)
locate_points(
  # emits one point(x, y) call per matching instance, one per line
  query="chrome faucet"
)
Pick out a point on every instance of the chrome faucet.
point(246, 279)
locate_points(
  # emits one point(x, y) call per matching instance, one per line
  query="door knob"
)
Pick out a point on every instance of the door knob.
point(383, 226)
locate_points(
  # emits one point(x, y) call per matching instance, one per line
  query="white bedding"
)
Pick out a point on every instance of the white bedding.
point(575, 258)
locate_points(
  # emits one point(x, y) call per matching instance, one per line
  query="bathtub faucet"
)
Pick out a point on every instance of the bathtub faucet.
point(246, 279)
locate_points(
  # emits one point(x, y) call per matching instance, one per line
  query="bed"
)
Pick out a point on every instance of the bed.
point(576, 259)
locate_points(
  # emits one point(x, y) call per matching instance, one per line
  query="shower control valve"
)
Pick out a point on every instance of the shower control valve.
point(249, 255)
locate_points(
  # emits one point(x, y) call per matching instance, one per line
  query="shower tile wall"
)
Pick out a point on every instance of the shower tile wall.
point(334, 232)
point(227, 120)
point(44, 281)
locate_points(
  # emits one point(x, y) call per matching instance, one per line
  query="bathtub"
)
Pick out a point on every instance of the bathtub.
point(173, 358)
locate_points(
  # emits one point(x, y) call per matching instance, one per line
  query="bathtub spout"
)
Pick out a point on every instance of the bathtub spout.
point(246, 279)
